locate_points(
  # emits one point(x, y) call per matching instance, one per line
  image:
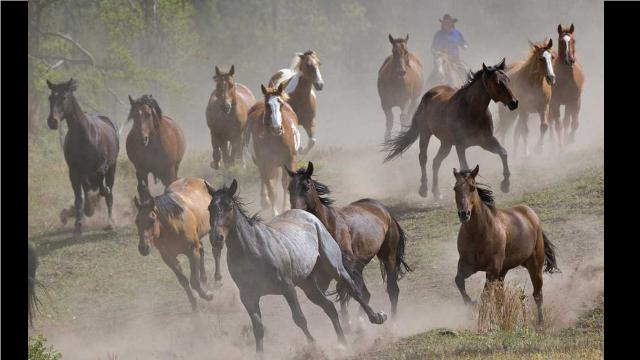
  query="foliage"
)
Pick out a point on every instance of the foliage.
point(39, 351)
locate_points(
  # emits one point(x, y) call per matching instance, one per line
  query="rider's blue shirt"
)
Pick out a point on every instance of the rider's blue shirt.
point(449, 42)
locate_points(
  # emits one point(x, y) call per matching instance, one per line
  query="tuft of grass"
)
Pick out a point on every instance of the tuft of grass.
point(502, 307)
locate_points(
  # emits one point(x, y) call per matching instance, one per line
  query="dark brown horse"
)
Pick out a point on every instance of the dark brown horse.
point(497, 240)
point(227, 118)
point(298, 79)
point(363, 229)
point(568, 88)
point(155, 143)
point(273, 129)
point(458, 117)
point(531, 81)
point(90, 149)
point(400, 82)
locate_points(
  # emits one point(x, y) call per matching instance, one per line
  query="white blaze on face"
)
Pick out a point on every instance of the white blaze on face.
point(547, 59)
point(276, 115)
point(318, 75)
point(567, 41)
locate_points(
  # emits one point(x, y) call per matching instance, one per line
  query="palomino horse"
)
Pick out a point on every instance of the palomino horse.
point(458, 117)
point(227, 118)
point(174, 223)
point(446, 71)
point(298, 79)
point(531, 80)
point(363, 229)
point(91, 148)
point(272, 127)
point(155, 143)
point(568, 88)
point(399, 82)
point(292, 250)
point(497, 240)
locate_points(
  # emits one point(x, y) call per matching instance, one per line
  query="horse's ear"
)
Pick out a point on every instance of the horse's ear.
point(484, 67)
point(72, 85)
point(233, 187)
point(309, 169)
point(455, 172)
point(264, 90)
point(210, 188)
point(474, 172)
point(281, 88)
point(291, 173)
point(406, 38)
point(136, 202)
point(300, 55)
point(217, 71)
point(232, 71)
point(49, 84)
point(560, 29)
point(500, 66)
point(571, 29)
point(549, 44)
point(390, 39)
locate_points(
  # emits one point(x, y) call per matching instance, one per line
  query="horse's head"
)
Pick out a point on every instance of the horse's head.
point(147, 223)
point(439, 61)
point(545, 56)
point(60, 101)
point(145, 113)
point(464, 188)
point(303, 191)
point(309, 66)
point(222, 210)
point(400, 58)
point(567, 44)
point(225, 88)
point(274, 100)
point(497, 83)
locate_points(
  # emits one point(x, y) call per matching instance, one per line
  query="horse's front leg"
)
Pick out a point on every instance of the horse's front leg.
point(443, 151)
point(216, 247)
point(491, 144)
point(108, 198)
point(422, 159)
point(310, 129)
point(236, 150)
point(544, 125)
point(174, 265)
point(574, 111)
point(388, 113)
point(554, 120)
point(225, 149)
point(464, 271)
point(251, 303)
point(76, 184)
point(215, 146)
point(194, 263)
point(405, 116)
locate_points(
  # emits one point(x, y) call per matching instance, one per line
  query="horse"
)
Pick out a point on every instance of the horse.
point(155, 143)
point(174, 223)
point(497, 240)
point(532, 81)
point(399, 82)
point(32, 298)
point(292, 250)
point(227, 117)
point(362, 229)
point(568, 88)
point(91, 149)
point(446, 71)
point(298, 79)
point(458, 117)
point(272, 127)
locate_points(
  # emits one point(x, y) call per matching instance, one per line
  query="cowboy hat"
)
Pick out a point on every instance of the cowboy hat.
point(448, 17)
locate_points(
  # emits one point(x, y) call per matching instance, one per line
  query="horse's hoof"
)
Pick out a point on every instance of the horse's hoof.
point(505, 185)
point(423, 191)
point(208, 296)
point(63, 217)
point(382, 317)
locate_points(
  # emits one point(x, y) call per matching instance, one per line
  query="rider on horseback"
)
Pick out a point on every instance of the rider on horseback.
point(446, 42)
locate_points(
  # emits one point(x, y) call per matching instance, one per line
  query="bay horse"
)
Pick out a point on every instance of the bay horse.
point(303, 73)
point(174, 223)
point(155, 143)
point(446, 71)
point(227, 118)
point(91, 149)
point(568, 88)
point(292, 250)
point(532, 81)
point(399, 82)
point(497, 240)
point(457, 117)
point(363, 229)
point(272, 127)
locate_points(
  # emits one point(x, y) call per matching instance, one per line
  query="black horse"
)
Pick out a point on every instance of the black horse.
point(90, 149)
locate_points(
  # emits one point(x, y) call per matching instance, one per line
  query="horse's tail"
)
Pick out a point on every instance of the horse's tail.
point(550, 264)
point(401, 265)
point(354, 268)
point(400, 143)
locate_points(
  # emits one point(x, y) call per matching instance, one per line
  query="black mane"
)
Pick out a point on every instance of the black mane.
point(486, 195)
point(167, 206)
point(471, 78)
point(321, 188)
point(240, 205)
point(151, 102)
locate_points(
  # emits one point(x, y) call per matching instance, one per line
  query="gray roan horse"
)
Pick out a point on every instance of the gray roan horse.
point(293, 249)
point(90, 149)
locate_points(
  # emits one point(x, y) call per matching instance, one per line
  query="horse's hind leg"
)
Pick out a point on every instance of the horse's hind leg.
point(422, 158)
point(203, 272)
point(522, 132)
point(290, 294)
point(174, 265)
point(317, 297)
point(393, 290)
point(236, 150)
point(108, 197)
point(443, 151)
point(462, 157)
point(252, 305)
point(310, 128)
point(534, 266)
point(492, 145)
point(464, 271)
point(194, 263)
point(225, 148)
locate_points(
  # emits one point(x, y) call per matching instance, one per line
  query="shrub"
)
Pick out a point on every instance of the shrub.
point(39, 351)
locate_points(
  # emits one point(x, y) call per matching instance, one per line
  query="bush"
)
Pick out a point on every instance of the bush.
point(38, 350)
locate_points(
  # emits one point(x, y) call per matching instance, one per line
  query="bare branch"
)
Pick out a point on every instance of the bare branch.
point(75, 43)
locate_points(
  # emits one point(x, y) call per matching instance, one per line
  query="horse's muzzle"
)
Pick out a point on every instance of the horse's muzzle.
point(144, 249)
point(53, 122)
point(318, 85)
point(551, 80)
point(277, 131)
point(512, 105)
point(145, 140)
point(464, 216)
point(226, 108)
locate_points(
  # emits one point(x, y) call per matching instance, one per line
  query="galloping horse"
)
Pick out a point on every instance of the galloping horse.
point(497, 240)
point(568, 88)
point(458, 117)
point(174, 223)
point(532, 80)
point(90, 149)
point(155, 143)
point(273, 129)
point(303, 72)
point(227, 118)
point(363, 229)
point(446, 71)
point(399, 82)
point(292, 250)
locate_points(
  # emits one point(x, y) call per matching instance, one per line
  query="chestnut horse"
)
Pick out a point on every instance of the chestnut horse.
point(273, 129)
point(457, 117)
point(531, 80)
point(155, 143)
point(174, 223)
point(227, 118)
point(363, 229)
point(91, 149)
point(497, 240)
point(399, 82)
point(568, 88)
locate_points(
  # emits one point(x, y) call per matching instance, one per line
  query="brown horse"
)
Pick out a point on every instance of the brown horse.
point(298, 79)
point(174, 223)
point(273, 129)
point(227, 118)
point(458, 117)
point(399, 82)
point(497, 240)
point(363, 229)
point(568, 88)
point(531, 80)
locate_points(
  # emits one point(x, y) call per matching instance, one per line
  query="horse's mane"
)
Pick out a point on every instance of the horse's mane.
point(321, 189)
point(295, 62)
point(241, 206)
point(471, 78)
point(151, 102)
point(167, 206)
point(486, 195)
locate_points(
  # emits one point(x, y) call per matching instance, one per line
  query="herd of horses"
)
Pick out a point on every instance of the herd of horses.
point(315, 242)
